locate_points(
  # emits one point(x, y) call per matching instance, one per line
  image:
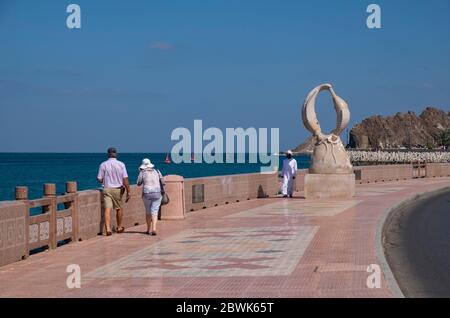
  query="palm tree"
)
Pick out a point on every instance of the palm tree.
point(444, 138)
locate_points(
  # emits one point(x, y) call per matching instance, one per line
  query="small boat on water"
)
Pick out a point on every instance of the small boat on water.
point(167, 161)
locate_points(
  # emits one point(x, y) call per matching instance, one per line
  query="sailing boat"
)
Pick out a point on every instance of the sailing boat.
point(167, 161)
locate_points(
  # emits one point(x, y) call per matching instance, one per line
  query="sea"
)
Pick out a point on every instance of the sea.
point(35, 169)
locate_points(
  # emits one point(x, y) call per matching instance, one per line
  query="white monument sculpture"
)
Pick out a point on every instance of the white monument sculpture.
point(330, 173)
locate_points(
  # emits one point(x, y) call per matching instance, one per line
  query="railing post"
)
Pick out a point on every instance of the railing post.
point(71, 188)
point(22, 195)
point(50, 192)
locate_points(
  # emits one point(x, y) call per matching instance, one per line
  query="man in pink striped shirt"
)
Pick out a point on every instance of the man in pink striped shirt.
point(113, 175)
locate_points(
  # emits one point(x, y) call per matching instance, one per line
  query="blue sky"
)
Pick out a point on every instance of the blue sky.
point(138, 69)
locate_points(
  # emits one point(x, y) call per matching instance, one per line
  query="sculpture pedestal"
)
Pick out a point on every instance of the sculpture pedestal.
point(329, 186)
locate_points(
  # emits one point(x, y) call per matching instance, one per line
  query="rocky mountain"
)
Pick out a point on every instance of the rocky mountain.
point(403, 130)
point(306, 147)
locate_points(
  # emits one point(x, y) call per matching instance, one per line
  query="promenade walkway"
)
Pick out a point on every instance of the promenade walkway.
point(259, 248)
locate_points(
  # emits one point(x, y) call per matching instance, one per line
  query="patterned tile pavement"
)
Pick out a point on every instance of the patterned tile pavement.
point(371, 191)
point(297, 208)
point(224, 252)
point(259, 248)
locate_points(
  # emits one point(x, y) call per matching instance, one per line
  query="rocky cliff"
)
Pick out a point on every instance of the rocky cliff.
point(403, 130)
point(306, 147)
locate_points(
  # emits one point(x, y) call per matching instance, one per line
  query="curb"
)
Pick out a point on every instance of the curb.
point(389, 276)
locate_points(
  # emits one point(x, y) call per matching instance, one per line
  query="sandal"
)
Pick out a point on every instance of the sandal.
point(153, 234)
point(108, 233)
point(120, 229)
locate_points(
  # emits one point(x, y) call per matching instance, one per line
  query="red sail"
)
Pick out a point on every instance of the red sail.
point(167, 161)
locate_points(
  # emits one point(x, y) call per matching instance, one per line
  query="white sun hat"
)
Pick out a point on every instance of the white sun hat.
point(289, 152)
point(146, 163)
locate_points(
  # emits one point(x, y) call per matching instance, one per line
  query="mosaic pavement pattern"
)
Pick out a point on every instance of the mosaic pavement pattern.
point(298, 208)
point(225, 252)
point(371, 191)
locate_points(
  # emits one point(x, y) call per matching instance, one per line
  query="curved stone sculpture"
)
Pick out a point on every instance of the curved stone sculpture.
point(329, 155)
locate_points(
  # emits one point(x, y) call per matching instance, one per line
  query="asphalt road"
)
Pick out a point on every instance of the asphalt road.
point(417, 246)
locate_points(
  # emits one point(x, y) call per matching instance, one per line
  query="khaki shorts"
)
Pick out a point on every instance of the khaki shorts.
point(112, 198)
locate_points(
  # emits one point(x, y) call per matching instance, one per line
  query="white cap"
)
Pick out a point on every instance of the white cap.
point(146, 163)
point(289, 152)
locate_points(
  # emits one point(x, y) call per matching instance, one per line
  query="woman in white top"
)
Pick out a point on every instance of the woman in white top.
point(151, 179)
